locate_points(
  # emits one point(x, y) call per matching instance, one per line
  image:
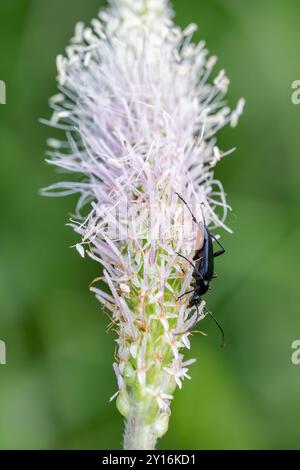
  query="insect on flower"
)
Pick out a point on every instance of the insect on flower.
point(203, 268)
point(140, 105)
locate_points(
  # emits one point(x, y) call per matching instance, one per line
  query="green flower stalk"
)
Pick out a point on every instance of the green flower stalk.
point(139, 114)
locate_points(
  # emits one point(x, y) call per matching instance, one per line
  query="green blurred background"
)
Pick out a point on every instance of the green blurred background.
point(55, 387)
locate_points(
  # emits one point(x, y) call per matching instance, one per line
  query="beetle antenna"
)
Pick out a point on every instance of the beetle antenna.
point(190, 211)
point(219, 326)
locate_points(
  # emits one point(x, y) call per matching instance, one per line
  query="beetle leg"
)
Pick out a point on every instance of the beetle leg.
point(191, 327)
point(192, 264)
point(186, 293)
point(186, 259)
point(220, 252)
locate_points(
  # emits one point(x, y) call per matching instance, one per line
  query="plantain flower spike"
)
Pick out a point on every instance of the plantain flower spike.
point(139, 112)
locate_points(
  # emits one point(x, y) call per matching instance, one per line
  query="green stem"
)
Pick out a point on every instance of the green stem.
point(138, 434)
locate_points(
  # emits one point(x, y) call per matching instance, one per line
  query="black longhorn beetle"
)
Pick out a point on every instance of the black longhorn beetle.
point(203, 268)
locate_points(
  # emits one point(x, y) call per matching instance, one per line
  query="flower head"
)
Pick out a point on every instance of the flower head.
point(140, 112)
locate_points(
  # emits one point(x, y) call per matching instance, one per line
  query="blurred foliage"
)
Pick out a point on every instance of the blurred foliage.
point(55, 388)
